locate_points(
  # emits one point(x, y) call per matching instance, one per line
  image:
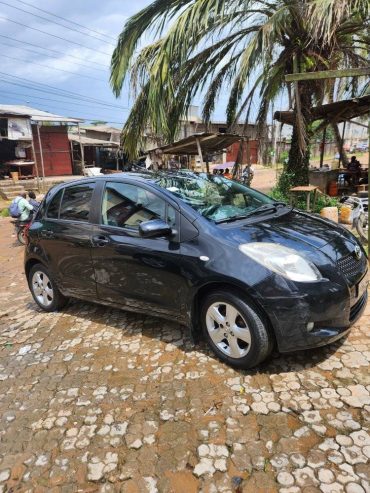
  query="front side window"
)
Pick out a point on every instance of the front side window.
point(76, 202)
point(126, 206)
point(215, 197)
point(53, 208)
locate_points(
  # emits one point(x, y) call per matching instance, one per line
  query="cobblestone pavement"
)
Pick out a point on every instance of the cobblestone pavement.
point(95, 399)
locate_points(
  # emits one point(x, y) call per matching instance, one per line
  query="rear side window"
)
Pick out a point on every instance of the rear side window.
point(53, 209)
point(76, 202)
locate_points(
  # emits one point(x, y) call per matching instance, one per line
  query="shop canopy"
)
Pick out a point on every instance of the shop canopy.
point(337, 112)
point(209, 142)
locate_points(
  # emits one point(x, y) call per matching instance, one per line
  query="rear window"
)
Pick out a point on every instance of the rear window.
point(76, 202)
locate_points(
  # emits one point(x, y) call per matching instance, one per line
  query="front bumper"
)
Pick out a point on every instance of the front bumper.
point(332, 310)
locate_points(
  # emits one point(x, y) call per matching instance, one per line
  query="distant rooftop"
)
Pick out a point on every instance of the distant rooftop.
point(34, 114)
point(101, 128)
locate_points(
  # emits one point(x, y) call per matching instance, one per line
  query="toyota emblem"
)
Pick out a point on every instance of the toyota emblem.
point(357, 252)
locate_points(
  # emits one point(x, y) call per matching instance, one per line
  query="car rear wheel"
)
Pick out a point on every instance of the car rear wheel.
point(234, 330)
point(43, 289)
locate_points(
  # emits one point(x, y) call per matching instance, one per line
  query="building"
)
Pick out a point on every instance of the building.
point(100, 145)
point(193, 124)
point(34, 143)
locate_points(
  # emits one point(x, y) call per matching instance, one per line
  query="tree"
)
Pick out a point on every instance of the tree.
point(242, 48)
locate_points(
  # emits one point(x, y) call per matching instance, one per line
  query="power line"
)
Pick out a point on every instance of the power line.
point(51, 56)
point(41, 88)
point(54, 22)
point(67, 20)
point(53, 35)
point(33, 97)
point(52, 68)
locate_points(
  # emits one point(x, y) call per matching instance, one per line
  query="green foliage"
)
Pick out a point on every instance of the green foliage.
point(318, 132)
point(281, 193)
point(242, 48)
point(285, 182)
point(4, 212)
point(283, 156)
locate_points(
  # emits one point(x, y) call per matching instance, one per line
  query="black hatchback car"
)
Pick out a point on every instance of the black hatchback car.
point(229, 262)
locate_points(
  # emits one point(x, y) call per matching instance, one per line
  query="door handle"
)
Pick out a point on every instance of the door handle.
point(100, 240)
point(47, 233)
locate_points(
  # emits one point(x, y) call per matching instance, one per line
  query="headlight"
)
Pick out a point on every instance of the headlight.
point(282, 260)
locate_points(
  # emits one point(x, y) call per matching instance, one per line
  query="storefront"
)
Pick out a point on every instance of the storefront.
point(16, 159)
point(34, 143)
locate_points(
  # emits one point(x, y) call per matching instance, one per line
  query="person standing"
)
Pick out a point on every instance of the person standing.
point(20, 208)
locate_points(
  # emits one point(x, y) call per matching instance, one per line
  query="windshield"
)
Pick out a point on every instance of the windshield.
point(215, 197)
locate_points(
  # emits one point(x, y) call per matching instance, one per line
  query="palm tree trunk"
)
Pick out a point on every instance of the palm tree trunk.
point(296, 169)
point(298, 162)
point(338, 141)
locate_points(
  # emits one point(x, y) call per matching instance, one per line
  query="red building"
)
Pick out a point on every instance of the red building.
point(250, 148)
point(56, 151)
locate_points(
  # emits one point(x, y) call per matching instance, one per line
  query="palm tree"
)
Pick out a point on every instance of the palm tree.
point(241, 48)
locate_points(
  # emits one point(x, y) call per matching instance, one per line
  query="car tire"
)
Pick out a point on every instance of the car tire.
point(225, 316)
point(44, 290)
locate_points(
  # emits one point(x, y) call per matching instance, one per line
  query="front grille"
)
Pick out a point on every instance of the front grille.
point(352, 267)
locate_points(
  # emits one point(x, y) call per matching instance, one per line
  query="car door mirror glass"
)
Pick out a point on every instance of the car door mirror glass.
point(154, 229)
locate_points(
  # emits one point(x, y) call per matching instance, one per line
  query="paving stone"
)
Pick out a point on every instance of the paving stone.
point(325, 476)
point(285, 478)
point(97, 399)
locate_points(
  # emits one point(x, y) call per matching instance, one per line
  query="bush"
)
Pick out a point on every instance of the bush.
point(283, 157)
point(300, 200)
point(286, 181)
point(4, 213)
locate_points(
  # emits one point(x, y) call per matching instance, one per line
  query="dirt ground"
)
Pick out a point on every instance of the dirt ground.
point(98, 400)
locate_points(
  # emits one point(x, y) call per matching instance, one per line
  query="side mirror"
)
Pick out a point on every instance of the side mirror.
point(154, 229)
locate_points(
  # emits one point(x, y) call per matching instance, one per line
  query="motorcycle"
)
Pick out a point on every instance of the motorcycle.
point(21, 230)
point(359, 214)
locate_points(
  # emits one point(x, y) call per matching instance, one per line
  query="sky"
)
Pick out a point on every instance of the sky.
point(78, 63)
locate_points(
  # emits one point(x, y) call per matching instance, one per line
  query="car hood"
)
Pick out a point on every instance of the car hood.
point(298, 230)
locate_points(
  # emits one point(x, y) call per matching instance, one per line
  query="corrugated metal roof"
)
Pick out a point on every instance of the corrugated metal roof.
point(209, 142)
point(34, 114)
point(101, 128)
point(337, 112)
point(88, 141)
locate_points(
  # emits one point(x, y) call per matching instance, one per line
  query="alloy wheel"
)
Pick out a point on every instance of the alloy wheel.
point(228, 330)
point(42, 288)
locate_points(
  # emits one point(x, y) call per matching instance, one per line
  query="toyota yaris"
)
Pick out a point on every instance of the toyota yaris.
point(247, 272)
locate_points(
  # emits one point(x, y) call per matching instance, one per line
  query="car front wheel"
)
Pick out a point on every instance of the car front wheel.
point(44, 290)
point(234, 330)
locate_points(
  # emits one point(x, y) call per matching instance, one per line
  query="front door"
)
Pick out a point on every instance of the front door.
point(137, 273)
point(66, 240)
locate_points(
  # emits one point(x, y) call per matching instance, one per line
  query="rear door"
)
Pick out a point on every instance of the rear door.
point(66, 239)
point(134, 272)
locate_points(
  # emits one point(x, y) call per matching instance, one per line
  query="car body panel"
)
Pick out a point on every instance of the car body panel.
point(165, 276)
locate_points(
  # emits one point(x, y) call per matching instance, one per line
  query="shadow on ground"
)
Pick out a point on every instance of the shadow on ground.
point(160, 329)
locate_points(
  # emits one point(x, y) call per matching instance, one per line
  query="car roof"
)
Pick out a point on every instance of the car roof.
point(148, 176)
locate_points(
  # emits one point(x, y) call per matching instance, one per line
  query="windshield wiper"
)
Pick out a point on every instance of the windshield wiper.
point(231, 218)
point(263, 209)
